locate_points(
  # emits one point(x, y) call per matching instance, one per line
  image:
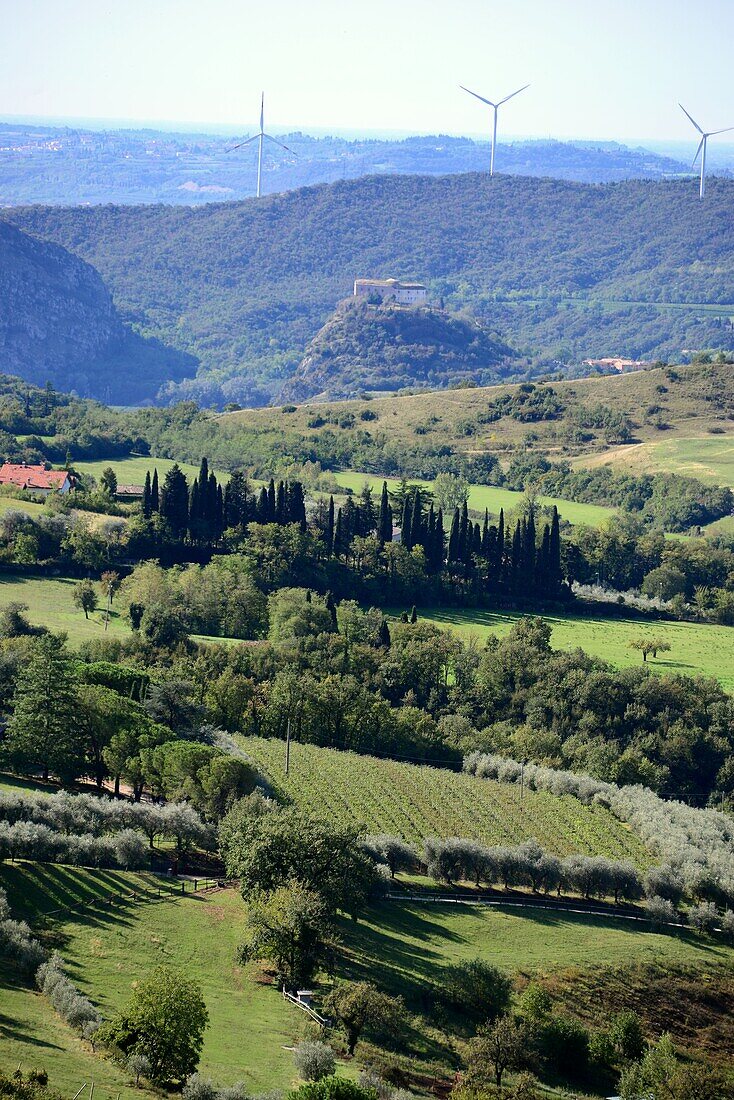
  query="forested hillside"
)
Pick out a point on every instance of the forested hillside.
point(564, 271)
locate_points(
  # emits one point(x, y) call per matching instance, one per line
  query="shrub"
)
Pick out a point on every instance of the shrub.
point(660, 911)
point(314, 1060)
point(704, 918)
point(477, 988)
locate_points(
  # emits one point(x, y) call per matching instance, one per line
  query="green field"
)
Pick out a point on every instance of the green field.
point(415, 802)
point(405, 941)
point(132, 470)
point(709, 458)
point(489, 496)
point(697, 649)
point(50, 603)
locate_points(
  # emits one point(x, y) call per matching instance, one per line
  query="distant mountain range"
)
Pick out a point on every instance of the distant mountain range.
point(562, 271)
point(53, 164)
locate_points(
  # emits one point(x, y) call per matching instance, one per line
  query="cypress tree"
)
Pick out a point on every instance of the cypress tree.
point(500, 547)
point(439, 541)
point(155, 498)
point(406, 536)
point(146, 496)
point(477, 541)
point(219, 515)
point(338, 535)
point(485, 535)
point(417, 535)
point(516, 558)
point(555, 573)
point(329, 535)
point(261, 510)
point(384, 638)
point(454, 542)
point(413, 614)
point(330, 605)
point(464, 544)
point(384, 519)
point(271, 502)
point(281, 511)
point(368, 516)
point(195, 524)
point(296, 505)
point(175, 502)
point(237, 500)
point(529, 551)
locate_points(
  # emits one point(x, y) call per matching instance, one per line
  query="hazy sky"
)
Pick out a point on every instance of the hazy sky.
point(610, 70)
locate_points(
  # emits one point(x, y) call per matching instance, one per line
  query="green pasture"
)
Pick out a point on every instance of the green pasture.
point(407, 942)
point(132, 470)
point(709, 458)
point(489, 496)
point(697, 649)
point(51, 604)
point(251, 1027)
point(415, 802)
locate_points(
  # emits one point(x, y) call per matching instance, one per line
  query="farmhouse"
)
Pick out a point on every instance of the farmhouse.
point(35, 479)
point(405, 294)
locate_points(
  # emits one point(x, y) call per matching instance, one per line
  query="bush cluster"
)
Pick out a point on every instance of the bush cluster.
point(76, 1009)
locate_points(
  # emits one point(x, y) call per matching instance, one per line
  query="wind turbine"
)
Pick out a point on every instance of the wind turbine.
point(705, 135)
point(260, 138)
point(495, 107)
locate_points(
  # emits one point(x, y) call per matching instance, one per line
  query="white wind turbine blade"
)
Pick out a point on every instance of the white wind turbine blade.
point(513, 94)
point(477, 96)
point(685, 112)
point(700, 147)
point(280, 143)
point(724, 131)
point(242, 144)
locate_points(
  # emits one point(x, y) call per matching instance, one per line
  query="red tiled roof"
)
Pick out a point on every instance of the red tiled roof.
point(31, 477)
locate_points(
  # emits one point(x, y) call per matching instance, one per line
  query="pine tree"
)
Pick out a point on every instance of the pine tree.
point(155, 498)
point(384, 520)
point(44, 731)
point(146, 496)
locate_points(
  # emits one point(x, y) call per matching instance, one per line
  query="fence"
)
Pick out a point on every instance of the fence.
point(161, 891)
point(306, 1008)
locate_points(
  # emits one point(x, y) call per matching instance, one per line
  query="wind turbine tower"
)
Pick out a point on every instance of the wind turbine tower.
point(705, 135)
point(260, 139)
point(495, 107)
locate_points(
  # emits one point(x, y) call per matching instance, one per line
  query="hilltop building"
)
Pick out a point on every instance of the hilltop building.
point(391, 290)
point(35, 479)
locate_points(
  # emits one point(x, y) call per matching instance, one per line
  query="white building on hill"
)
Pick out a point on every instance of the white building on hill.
point(391, 290)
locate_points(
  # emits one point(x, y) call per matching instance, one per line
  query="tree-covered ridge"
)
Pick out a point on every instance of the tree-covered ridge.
point(375, 346)
point(563, 270)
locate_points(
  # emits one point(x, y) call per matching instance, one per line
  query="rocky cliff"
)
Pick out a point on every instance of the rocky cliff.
point(58, 322)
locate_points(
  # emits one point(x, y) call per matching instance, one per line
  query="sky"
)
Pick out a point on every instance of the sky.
point(609, 70)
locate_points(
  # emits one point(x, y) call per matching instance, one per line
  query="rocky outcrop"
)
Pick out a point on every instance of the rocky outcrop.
point(58, 323)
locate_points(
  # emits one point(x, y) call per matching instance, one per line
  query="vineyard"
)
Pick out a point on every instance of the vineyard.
point(415, 802)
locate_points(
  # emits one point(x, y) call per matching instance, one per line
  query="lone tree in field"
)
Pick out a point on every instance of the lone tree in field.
point(288, 928)
point(165, 1023)
point(360, 1006)
point(500, 1045)
point(84, 597)
point(650, 646)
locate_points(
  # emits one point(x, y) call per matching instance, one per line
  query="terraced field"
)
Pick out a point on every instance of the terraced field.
point(415, 802)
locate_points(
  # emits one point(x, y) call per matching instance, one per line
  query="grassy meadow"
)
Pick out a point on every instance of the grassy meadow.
point(50, 603)
point(709, 458)
point(132, 470)
point(697, 649)
point(415, 802)
point(489, 496)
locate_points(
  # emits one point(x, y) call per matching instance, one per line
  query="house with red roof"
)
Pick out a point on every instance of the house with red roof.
point(35, 479)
